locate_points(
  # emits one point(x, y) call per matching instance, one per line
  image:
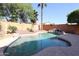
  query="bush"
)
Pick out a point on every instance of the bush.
point(12, 29)
point(29, 29)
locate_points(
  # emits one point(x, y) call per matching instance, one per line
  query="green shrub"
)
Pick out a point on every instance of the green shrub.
point(12, 29)
point(29, 29)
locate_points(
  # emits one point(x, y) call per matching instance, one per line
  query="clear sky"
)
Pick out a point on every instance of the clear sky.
point(56, 12)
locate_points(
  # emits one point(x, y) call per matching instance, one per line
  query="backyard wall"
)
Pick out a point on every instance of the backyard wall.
point(20, 27)
point(24, 27)
point(64, 27)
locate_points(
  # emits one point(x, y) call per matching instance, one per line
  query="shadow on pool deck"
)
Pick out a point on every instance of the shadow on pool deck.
point(2, 50)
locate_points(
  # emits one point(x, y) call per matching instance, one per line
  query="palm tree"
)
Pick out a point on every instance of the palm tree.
point(42, 7)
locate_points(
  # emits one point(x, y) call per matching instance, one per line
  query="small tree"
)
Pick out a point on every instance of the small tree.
point(73, 17)
point(33, 18)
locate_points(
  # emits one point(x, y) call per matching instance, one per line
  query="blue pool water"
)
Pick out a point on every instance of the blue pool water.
point(33, 44)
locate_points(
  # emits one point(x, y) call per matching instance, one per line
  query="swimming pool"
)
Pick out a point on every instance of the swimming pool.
point(33, 44)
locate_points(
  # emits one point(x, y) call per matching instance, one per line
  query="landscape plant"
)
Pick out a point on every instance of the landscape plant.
point(73, 17)
point(11, 29)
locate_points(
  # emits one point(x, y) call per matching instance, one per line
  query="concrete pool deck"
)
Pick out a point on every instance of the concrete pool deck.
point(73, 50)
point(5, 42)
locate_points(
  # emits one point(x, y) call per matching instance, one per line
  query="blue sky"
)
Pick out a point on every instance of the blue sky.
point(56, 12)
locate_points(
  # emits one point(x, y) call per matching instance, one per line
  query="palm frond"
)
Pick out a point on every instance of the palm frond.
point(39, 5)
point(45, 4)
point(42, 4)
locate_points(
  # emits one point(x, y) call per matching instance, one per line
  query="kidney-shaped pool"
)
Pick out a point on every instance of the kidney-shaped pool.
point(26, 46)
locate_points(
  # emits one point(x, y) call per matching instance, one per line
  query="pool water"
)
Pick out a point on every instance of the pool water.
point(33, 44)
